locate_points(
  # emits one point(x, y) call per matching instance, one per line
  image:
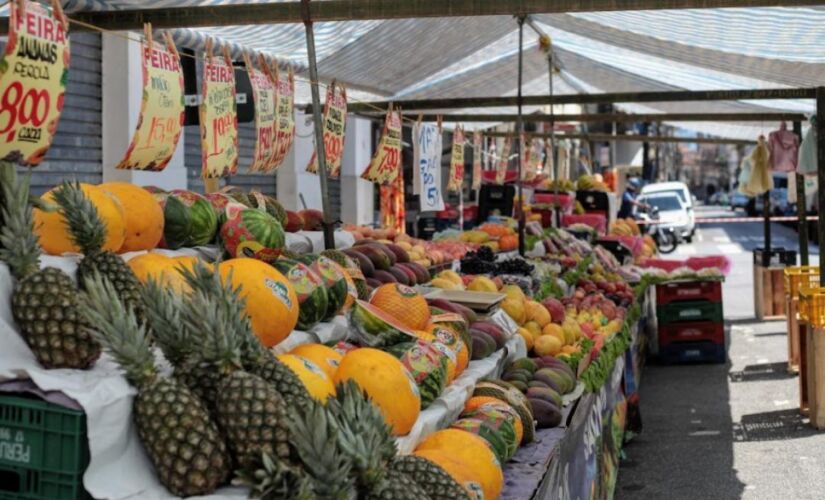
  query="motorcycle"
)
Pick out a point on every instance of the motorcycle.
point(665, 237)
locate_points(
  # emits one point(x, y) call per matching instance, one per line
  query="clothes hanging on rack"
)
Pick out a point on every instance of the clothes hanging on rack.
point(761, 179)
point(784, 149)
point(744, 178)
point(807, 152)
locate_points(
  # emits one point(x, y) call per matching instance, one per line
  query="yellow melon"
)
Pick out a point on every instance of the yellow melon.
point(160, 267)
point(325, 357)
point(317, 382)
point(402, 303)
point(142, 213)
point(388, 384)
point(50, 227)
point(271, 302)
point(457, 469)
point(473, 452)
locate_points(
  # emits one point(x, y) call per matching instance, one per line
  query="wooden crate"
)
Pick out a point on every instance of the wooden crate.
point(769, 292)
point(792, 323)
point(816, 377)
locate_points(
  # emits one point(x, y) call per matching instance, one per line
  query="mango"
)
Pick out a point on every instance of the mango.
point(547, 345)
point(555, 330)
point(515, 309)
point(482, 284)
point(537, 312)
point(443, 284)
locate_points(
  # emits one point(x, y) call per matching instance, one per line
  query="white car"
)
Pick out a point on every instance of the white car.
point(681, 190)
point(672, 212)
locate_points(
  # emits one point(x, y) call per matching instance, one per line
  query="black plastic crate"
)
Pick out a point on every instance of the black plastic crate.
point(593, 201)
point(692, 352)
point(776, 257)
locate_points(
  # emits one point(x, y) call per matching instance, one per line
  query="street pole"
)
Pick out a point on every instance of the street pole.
point(820, 162)
point(801, 206)
point(320, 152)
point(520, 133)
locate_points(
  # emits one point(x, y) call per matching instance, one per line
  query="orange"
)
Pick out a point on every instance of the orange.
point(388, 384)
point(50, 227)
point(142, 213)
point(271, 302)
point(325, 357)
point(317, 382)
point(402, 303)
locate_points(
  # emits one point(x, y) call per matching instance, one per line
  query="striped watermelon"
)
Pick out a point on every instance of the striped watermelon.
point(202, 216)
point(177, 222)
point(335, 283)
point(499, 441)
point(426, 364)
point(249, 232)
point(309, 287)
point(503, 422)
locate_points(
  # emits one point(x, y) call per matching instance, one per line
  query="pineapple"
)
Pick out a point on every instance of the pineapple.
point(183, 443)
point(432, 478)
point(88, 231)
point(249, 409)
point(44, 302)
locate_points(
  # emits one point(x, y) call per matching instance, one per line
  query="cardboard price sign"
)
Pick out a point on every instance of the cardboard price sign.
point(427, 158)
point(160, 121)
point(386, 162)
point(476, 161)
point(335, 121)
point(285, 116)
point(33, 75)
point(503, 161)
point(457, 162)
point(218, 116)
point(263, 92)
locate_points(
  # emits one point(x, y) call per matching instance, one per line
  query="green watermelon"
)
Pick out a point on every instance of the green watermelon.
point(375, 328)
point(249, 232)
point(352, 267)
point(503, 422)
point(482, 429)
point(426, 365)
point(334, 282)
point(312, 296)
point(204, 222)
point(219, 201)
point(177, 222)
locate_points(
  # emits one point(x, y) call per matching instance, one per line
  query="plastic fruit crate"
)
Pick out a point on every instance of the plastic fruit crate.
point(693, 352)
point(700, 310)
point(709, 331)
point(812, 306)
point(43, 450)
point(799, 277)
point(710, 291)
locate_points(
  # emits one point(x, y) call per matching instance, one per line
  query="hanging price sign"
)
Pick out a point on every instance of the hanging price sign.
point(33, 75)
point(335, 121)
point(503, 161)
point(528, 170)
point(263, 92)
point(476, 161)
point(160, 121)
point(386, 162)
point(393, 211)
point(285, 116)
point(457, 162)
point(218, 116)
point(427, 161)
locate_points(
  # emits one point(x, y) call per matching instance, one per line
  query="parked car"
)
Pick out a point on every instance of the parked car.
point(672, 212)
point(779, 198)
point(738, 200)
point(681, 190)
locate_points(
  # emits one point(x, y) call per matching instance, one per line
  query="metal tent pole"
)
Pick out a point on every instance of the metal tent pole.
point(520, 133)
point(320, 153)
point(557, 210)
point(801, 206)
point(820, 162)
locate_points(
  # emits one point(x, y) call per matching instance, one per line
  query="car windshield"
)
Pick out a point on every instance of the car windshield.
point(664, 203)
point(678, 192)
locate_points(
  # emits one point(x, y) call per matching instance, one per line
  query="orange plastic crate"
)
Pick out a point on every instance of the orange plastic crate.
point(799, 277)
point(812, 306)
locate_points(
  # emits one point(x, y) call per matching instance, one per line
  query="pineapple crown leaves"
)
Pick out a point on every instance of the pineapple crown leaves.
point(163, 309)
point(19, 246)
point(88, 230)
point(117, 329)
point(218, 343)
point(275, 480)
point(314, 435)
point(363, 434)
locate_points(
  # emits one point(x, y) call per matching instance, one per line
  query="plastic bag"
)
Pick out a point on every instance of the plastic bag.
point(761, 179)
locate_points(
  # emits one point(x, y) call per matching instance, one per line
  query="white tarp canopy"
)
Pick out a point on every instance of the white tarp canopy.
point(631, 51)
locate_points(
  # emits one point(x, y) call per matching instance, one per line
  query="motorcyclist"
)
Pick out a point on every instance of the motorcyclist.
point(629, 199)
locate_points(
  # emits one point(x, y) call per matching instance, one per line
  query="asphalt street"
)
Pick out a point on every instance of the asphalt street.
point(727, 431)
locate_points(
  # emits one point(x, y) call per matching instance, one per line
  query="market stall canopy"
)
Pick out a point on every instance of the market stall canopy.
point(653, 50)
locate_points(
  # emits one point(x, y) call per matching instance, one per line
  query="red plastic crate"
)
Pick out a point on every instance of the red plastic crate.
point(688, 290)
point(693, 331)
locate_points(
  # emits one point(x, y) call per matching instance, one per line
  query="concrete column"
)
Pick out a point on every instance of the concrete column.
point(122, 89)
point(357, 195)
point(293, 179)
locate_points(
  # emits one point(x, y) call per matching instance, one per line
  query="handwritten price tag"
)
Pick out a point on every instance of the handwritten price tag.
point(285, 121)
point(160, 121)
point(335, 121)
point(504, 161)
point(263, 92)
point(33, 74)
point(219, 118)
point(427, 158)
point(457, 162)
point(386, 162)
point(476, 161)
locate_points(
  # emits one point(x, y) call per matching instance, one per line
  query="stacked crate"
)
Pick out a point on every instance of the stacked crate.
point(691, 322)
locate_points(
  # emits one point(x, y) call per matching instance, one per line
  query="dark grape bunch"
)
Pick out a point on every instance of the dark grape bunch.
point(514, 266)
point(471, 264)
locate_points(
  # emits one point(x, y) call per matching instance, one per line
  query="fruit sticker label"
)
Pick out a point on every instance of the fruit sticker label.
point(427, 163)
point(446, 351)
point(218, 117)
point(448, 318)
point(420, 360)
point(285, 120)
point(303, 281)
point(33, 75)
point(335, 121)
point(263, 92)
point(456, 181)
point(476, 161)
point(386, 162)
point(503, 161)
point(280, 291)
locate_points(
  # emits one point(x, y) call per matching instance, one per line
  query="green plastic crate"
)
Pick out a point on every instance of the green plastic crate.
point(43, 450)
point(690, 311)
